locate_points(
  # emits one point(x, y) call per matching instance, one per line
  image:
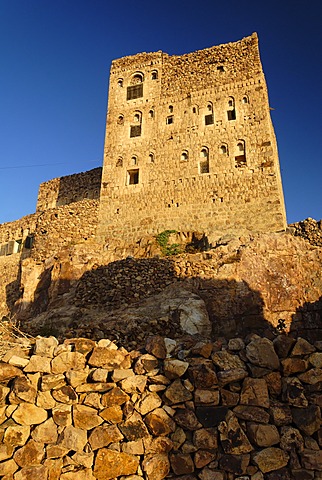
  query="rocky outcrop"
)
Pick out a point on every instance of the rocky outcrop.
point(309, 229)
point(247, 408)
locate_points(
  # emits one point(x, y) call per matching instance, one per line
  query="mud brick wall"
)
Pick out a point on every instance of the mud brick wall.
point(69, 189)
point(196, 151)
point(249, 408)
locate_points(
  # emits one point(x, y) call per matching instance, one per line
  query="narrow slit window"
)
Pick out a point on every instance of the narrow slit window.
point(184, 156)
point(133, 177)
point(154, 75)
point(169, 120)
point(204, 161)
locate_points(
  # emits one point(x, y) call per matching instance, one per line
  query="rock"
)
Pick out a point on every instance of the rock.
point(7, 372)
point(76, 377)
point(68, 361)
point(234, 463)
point(37, 472)
point(28, 414)
point(8, 467)
point(146, 363)
point(181, 463)
point(274, 383)
point(45, 432)
point(107, 358)
point(49, 382)
point(254, 414)
point(263, 435)
point(281, 413)
point(209, 474)
point(202, 397)
point(157, 445)
point(283, 345)
point(110, 464)
point(260, 351)
point(203, 458)
point(30, 454)
point(302, 347)
point(22, 391)
point(134, 448)
point(104, 435)
point(6, 451)
point(174, 368)
point(156, 466)
point(311, 459)
point(148, 402)
point(187, 419)
point(134, 384)
point(312, 376)
point(62, 415)
point(203, 375)
point(159, 423)
point(316, 359)
point(227, 361)
point(228, 398)
point(271, 458)
point(134, 427)
point(254, 392)
point(45, 346)
point(291, 439)
point(230, 376)
point(155, 345)
point(16, 435)
point(118, 374)
point(85, 417)
point(206, 438)
point(308, 420)
point(38, 363)
point(116, 396)
point(81, 345)
point(293, 392)
point(177, 393)
point(293, 365)
point(73, 438)
point(236, 344)
point(66, 395)
point(232, 437)
point(112, 414)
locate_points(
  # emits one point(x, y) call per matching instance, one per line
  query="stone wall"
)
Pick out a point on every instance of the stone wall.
point(195, 151)
point(249, 408)
point(69, 189)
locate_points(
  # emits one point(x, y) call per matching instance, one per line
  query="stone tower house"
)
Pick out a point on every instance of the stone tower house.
point(190, 145)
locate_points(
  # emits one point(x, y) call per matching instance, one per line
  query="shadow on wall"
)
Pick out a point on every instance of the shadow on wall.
point(154, 294)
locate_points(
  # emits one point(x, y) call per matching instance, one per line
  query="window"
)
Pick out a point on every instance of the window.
point(204, 161)
point(135, 131)
point(119, 162)
point(120, 82)
point(245, 99)
point(134, 160)
point(231, 112)
point(151, 114)
point(154, 75)
point(133, 177)
point(170, 108)
point(134, 91)
point(220, 68)
point(209, 118)
point(169, 120)
point(120, 120)
point(151, 158)
point(223, 149)
point(240, 156)
point(195, 109)
point(184, 156)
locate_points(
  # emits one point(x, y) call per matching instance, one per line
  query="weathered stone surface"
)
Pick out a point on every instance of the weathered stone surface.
point(134, 427)
point(82, 345)
point(112, 414)
point(302, 347)
point(8, 467)
point(155, 345)
point(203, 375)
point(209, 474)
point(45, 432)
point(211, 416)
point(65, 394)
point(6, 451)
point(291, 439)
point(104, 435)
point(177, 393)
point(229, 376)
point(22, 391)
point(308, 420)
point(7, 372)
point(206, 438)
point(45, 400)
point(227, 361)
point(263, 435)
point(76, 377)
point(73, 438)
point(260, 351)
point(174, 368)
point(229, 398)
point(106, 358)
point(37, 472)
point(254, 392)
point(62, 415)
point(49, 382)
point(293, 392)
point(204, 397)
point(234, 463)
point(148, 402)
point(30, 454)
point(187, 419)
point(181, 463)
point(117, 375)
point(84, 459)
point(110, 464)
point(311, 459)
point(283, 344)
point(16, 435)
point(134, 384)
point(203, 458)
point(134, 448)
point(146, 363)
point(232, 438)
point(115, 396)
point(159, 423)
point(45, 346)
point(281, 413)
point(315, 359)
point(38, 363)
point(86, 417)
point(270, 459)
point(293, 365)
point(68, 361)
point(156, 466)
point(28, 414)
point(312, 376)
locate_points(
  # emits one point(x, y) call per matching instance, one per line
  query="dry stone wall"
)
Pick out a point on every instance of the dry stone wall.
point(247, 409)
point(69, 189)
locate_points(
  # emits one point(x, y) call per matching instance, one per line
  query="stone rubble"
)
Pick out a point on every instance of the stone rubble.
point(247, 409)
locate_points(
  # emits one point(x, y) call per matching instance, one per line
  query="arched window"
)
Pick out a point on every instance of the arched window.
point(184, 156)
point(223, 149)
point(154, 75)
point(195, 109)
point(151, 157)
point(209, 118)
point(135, 89)
point(245, 99)
point(135, 128)
point(151, 113)
point(134, 160)
point(120, 120)
point(240, 155)
point(120, 82)
point(119, 162)
point(204, 160)
point(171, 108)
point(231, 112)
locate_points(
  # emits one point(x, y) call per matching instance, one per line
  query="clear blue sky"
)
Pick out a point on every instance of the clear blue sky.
point(54, 68)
